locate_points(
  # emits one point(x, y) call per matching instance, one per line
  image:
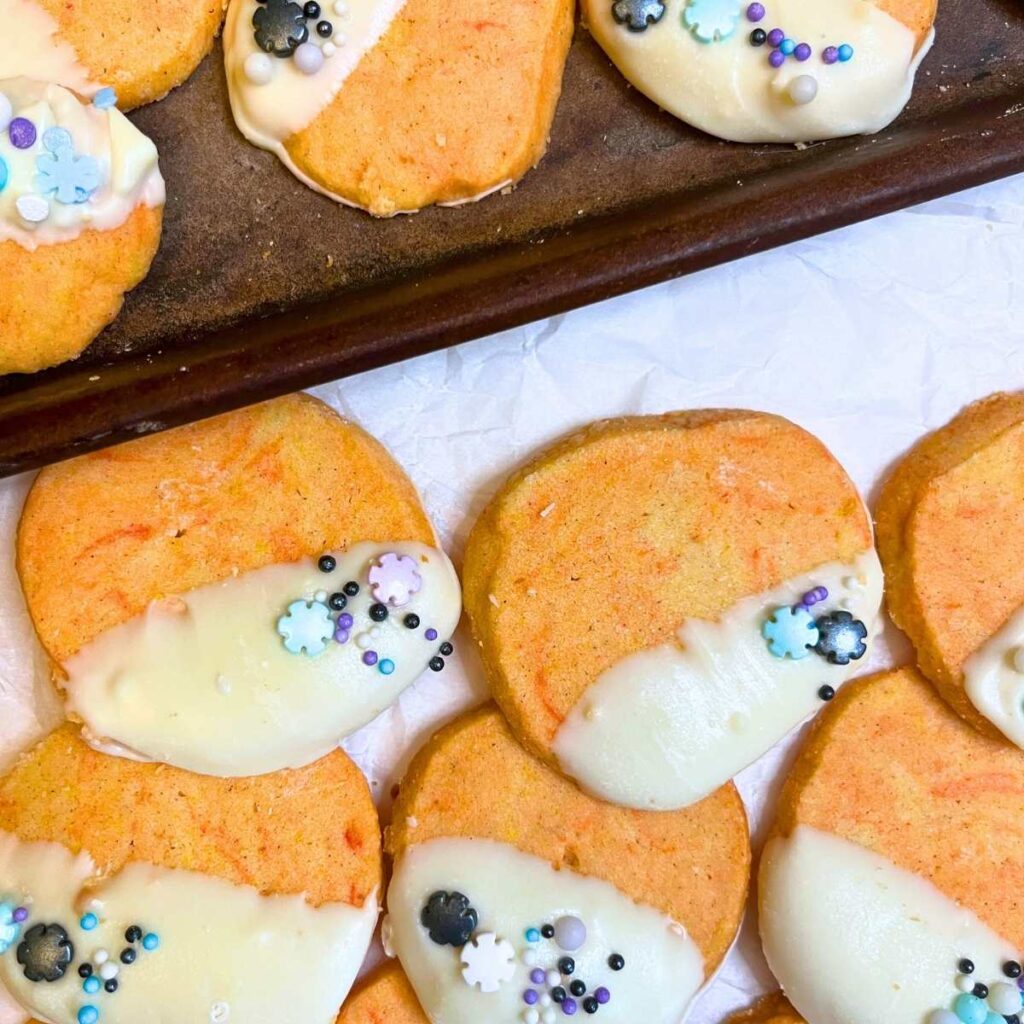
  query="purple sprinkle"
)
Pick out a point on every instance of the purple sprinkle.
point(776, 58)
point(802, 52)
point(370, 658)
point(568, 1007)
point(22, 132)
point(530, 996)
point(776, 36)
point(830, 55)
point(342, 636)
point(537, 976)
point(818, 594)
point(431, 634)
point(21, 914)
point(345, 621)
point(755, 12)
point(602, 995)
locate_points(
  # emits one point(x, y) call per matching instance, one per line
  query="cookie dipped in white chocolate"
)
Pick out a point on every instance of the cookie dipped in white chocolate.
point(852, 937)
point(664, 727)
point(537, 930)
point(67, 166)
point(994, 679)
point(169, 946)
point(269, 669)
point(697, 61)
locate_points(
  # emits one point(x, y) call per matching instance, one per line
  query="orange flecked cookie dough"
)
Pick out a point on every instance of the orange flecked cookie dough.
point(773, 1008)
point(384, 997)
point(399, 104)
point(499, 855)
point(948, 521)
point(603, 567)
point(278, 867)
point(236, 595)
point(893, 811)
point(89, 45)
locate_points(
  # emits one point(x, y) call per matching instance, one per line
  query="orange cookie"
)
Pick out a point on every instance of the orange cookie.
point(659, 599)
point(512, 889)
point(773, 1008)
point(235, 596)
point(397, 104)
point(870, 890)
point(81, 208)
point(948, 518)
point(92, 45)
point(385, 997)
point(263, 893)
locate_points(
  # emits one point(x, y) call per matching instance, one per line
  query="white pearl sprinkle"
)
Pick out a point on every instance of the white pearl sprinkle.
point(529, 957)
point(1004, 999)
point(108, 971)
point(965, 982)
point(308, 58)
point(219, 1013)
point(803, 89)
point(321, 596)
point(545, 1000)
point(33, 209)
point(553, 978)
point(363, 641)
point(340, 7)
point(530, 1016)
point(258, 68)
point(339, 38)
point(329, 49)
point(101, 956)
point(223, 685)
point(6, 112)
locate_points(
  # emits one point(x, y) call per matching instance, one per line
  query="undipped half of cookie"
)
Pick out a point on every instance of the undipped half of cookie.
point(890, 885)
point(236, 596)
point(658, 600)
point(516, 897)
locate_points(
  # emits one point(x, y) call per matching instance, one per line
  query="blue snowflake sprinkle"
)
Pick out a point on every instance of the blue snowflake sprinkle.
point(69, 178)
point(306, 627)
point(711, 21)
point(790, 632)
point(105, 99)
point(10, 930)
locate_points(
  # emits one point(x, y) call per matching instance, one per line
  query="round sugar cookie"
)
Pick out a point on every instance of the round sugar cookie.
point(237, 595)
point(659, 599)
point(890, 887)
point(771, 71)
point(397, 104)
point(81, 208)
point(512, 889)
point(384, 997)
point(98, 49)
point(182, 896)
point(949, 518)
point(773, 1008)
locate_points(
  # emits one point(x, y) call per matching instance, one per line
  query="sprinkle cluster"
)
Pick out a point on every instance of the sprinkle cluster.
point(782, 46)
point(46, 952)
point(62, 175)
point(307, 627)
point(979, 1003)
point(282, 30)
point(552, 988)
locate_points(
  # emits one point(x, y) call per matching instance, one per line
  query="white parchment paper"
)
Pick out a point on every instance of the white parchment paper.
point(869, 337)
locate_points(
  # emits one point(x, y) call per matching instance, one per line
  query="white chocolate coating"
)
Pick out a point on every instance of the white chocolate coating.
point(852, 937)
point(664, 727)
point(271, 113)
point(205, 682)
point(994, 679)
point(267, 958)
point(728, 89)
point(513, 891)
point(127, 159)
point(39, 52)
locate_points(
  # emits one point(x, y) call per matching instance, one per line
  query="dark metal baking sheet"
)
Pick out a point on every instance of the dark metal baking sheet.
point(262, 287)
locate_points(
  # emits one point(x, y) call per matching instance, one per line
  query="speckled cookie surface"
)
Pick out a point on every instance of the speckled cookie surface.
point(312, 830)
point(892, 769)
point(472, 780)
point(950, 522)
point(103, 535)
point(142, 52)
point(604, 543)
point(773, 1008)
point(57, 298)
point(383, 997)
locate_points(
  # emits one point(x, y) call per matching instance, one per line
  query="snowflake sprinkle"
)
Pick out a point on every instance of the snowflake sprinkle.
point(841, 638)
point(69, 178)
point(637, 15)
point(10, 929)
point(488, 962)
point(306, 627)
point(394, 579)
point(790, 632)
point(711, 21)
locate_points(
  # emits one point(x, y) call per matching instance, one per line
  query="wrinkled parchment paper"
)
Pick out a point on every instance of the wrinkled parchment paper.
point(869, 337)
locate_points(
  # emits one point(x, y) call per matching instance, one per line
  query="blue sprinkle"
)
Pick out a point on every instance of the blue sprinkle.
point(88, 922)
point(91, 985)
point(3, 174)
point(386, 666)
point(845, 52)
point(787, 46)
point(150, 941)
point(532, 935)
point(105, 98)
point(88, 1015)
